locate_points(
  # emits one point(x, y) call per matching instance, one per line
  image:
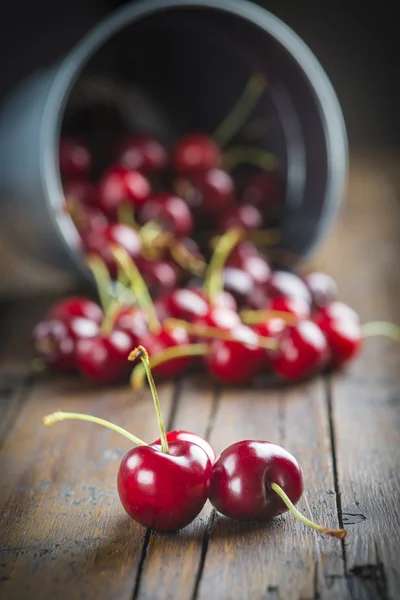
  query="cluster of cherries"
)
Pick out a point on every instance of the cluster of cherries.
point(165, 485)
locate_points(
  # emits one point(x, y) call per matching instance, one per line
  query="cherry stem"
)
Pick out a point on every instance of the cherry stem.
point(141, 352)
point(181, 255)
point(381, 328)
point(338, 533)
point(102, 279)
point(126, 215)
point(213, 283)
point(264, 237)
point(172, 353)
point(138, 287)
point(110, 317)
point(249, 155)
point(241, 110)
point(216, 333)
point(253, 317)
point(63, 416)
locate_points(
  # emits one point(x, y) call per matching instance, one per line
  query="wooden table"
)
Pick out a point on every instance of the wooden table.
point(65, 535)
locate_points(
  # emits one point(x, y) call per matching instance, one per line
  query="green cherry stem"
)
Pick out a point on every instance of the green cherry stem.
point(141, 352)
point(126, 215)
point(165, 355)
point(110, 317)
point(138, 286)
point(253, 317)
point(338, 533)
point(249, 155)
point(63, 416)
point(241, 110)
point(102, 279)
point(381, 328)
point(213, 283)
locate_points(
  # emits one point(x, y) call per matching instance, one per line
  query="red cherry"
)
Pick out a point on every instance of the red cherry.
point(296, 306)
point(170, 211)
point(265, 191)
point(74, 158)
point(219, 317)
point(238, 283)
point(76, 306)
point(242, 478)
point(284, 283)
point(133, 322)
point(303, 350)
point(101, 241)
point(186, 304)
point(143, 153)
point(155, 343)
point(322, 287)
point(104, 358)
point(90, 218)
point(236, 362)
point(165, 491)
point(120, 186)
point(196, 152)
point(181, 435)
point(81, 190)
point(211, 192)
point(160, 275)
point(274, 328)
point(221, 300)
point(244, 216)
point(341, 326)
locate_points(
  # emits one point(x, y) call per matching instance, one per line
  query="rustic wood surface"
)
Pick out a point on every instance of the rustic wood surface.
point(64, 534)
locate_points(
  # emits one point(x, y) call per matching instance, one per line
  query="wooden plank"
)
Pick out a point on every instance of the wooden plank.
point(281, 559)
point(64, 532)
point(175, 559)
point(365, 398)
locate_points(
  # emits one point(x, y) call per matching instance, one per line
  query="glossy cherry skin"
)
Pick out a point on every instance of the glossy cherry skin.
point(303, 351)
point(244, 216)
point(273, 329)
point(238, 283)
point(221, 300)
point(159, 275)
point(265, 191)
point(242, 478)
point(133, 322)
point(209, 192)
point(167, 338)
point(165, 491)
point(236, 362)
point(296, 306)
point(80, 189)
point(142, 152)
point(186, 304)
point(322, 287)
point(120, 186)
point(284, 283)
point(101, 242)
point(181, 435)
point(219, 317)
point(74, 158)
point(104, 358)
point(196, 152)
point(341, 326)
point(170, 211)
point(55, 340)
point(76, 306)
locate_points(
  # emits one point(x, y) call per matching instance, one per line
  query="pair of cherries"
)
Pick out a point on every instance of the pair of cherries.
point(164, 485)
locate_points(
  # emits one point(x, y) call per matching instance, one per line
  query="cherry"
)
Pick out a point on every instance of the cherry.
point(170, 211)
point(210, 192)
point(103, 358)
point(196, 152)
point(284, 283)
point(341, 326)
point(133, 322)
point(159, 274)
point(236, 362)
point(273, 328)
point(244, 216)
point(238, 283)
point(143, 153)
point(186, 304)
point(296, 306)
point(157, 342)
point(118, 187)
point(322, 287)
point(81, 190)
point(55, 340)
point(74, 158)
point(165, 491)
point(181, 435)
point(219, 317)
point(101, 242)
point(259, 480)
point(303, 350)
point(76, 306)
point(221, 299)
point(265, 191)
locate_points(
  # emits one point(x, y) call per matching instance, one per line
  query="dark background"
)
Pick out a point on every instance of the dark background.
point(357, 46)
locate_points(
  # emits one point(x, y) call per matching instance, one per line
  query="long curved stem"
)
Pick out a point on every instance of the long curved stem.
point(253, 317)
point(110, 317)
point(102, 279)
point(172, 353)
point(381, 328)
point(241, 110)
point(141, 353)
point(213, 283)
point(338, 533)
point(63, 416)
